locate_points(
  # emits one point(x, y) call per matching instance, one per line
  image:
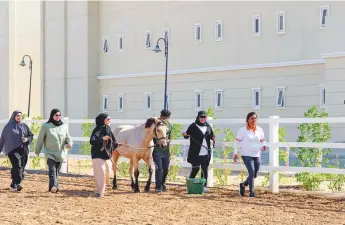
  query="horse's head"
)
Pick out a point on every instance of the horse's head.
point(158, 129)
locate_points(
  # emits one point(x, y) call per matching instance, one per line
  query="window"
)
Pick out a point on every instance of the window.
point(281, 22)
point(324, 13)
point(148, 101)
point(105, 103)
point(256, 25)
point(198, 33)
point(105, 44)
point(322, 96)
point(281, 97)
point(120, 43)
point(219, 30)
point(148, 39)
point(256, 96)
point(219, 100)
point(120, 103)
point(198, 100)
point(166, 33)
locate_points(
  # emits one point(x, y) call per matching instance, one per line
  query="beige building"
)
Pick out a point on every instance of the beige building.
point(276, 58)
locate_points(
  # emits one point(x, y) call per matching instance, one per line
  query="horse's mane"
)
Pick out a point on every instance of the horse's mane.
point(149, 122)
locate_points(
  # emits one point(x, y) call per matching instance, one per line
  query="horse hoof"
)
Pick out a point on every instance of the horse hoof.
point(136, 191)
point(115, 187)
point(147, 189)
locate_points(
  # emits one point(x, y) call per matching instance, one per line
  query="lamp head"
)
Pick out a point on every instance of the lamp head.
point(157, 49)
point(22, 63)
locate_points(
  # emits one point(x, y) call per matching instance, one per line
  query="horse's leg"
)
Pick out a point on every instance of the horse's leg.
point(149, 164)
point(136, 174)
point(131, 173)
point(116, 156)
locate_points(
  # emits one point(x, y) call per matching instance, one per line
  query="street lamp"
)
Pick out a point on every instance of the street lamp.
point(157, 49)
point(22, 63)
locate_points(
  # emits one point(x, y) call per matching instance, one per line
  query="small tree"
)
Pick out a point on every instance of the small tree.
point(312, 157)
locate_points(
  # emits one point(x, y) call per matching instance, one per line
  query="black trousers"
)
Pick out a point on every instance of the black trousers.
point(162, 161)
point(18, 158)
point(200, 161)
point(53, 172)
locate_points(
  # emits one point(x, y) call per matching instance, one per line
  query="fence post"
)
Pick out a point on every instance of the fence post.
point(64, 165)
point(274, 152)
point(287, 163)
point(27, 166)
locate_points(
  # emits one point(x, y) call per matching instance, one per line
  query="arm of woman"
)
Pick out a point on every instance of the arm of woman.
point(69, 141)
point(1, 141)
point(40, 140)
point(96, 137)
point(188, 132)
point(30, 136)
point(262, 140)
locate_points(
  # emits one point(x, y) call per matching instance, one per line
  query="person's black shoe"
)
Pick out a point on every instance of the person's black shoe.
point(13, 187)
point(158, 190)
point(252, 195)
point(164, 188)
point(241, 189)
point(19, 187)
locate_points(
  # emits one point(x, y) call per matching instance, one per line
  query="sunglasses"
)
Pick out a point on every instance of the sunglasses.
point(18, 115)
point(203, 117)
point(57, 115)
point(107, 119)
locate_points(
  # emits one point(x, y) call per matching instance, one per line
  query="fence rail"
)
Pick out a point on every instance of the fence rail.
point(273, 144)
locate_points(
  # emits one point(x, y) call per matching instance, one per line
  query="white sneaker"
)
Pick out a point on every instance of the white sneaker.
point(53, 189)
point(205, 189)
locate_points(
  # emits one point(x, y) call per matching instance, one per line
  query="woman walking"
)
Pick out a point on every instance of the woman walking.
point(103, 143)
point(199, 155)
point(251, 139)
point(14, 142)
point(53, 138)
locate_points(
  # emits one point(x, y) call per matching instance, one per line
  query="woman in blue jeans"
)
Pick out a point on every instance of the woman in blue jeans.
point(251, 139)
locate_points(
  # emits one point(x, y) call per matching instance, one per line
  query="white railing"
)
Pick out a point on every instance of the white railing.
point(273, 143)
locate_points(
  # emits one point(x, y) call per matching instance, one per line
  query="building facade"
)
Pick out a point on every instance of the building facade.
point(275, 58)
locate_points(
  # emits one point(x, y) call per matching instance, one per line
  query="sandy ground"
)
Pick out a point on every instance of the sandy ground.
point(75, 204)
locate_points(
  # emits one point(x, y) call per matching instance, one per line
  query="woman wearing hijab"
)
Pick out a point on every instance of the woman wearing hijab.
point(199, 155)
point(103, 143)
point(251, 139)
point(53, 138)
point(15, 139)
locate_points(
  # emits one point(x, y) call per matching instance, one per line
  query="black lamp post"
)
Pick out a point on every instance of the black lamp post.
point(30, 68)
point(157, 49)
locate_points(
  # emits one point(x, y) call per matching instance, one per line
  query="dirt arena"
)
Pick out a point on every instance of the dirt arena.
point(75, 204)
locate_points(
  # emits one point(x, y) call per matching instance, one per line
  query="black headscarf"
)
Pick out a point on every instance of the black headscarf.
point(51, 118)
point(100, 124)
point(12, 133)
point(197, 121)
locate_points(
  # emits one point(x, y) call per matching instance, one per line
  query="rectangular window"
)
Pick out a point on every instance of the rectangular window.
point(148, 101)
point(322, 96)
point(324, 13)
point(105, 44)
point(198, 33)
point(120, 43)
point(120, 103)
point(105, 103)
point(198, 100)
point(256, 25)
point(281, 22)
point(219, 30)
point(281, 97)
point(256, 97)
point(148, 39)
point(219, 99)
point(166, 33)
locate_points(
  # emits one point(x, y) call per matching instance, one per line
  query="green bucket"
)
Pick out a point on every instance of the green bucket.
point(195, 185)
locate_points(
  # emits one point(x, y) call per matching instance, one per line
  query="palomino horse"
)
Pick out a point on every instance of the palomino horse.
point(138, 144)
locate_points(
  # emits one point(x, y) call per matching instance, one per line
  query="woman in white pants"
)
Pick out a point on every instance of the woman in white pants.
point(251, 139)
point(102, 139)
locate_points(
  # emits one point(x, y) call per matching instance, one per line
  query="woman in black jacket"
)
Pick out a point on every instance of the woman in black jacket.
point(199, 155)
point(103, 143)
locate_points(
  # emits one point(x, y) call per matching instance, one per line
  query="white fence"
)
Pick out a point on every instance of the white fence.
point(273, 144)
